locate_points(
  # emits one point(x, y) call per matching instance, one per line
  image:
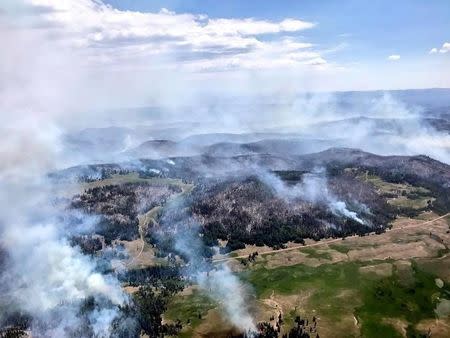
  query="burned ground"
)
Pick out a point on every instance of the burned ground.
point(119, 205)
point(233, 207)
point(247, 211)
point(232, 204)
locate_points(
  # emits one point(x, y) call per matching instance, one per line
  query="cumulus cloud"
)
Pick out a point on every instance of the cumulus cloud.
point(269, 55)
point(114, 37)
point(86, 56)
point(445, 48)
point(251, 26)
point(394, 57)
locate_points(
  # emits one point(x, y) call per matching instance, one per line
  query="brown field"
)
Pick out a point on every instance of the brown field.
point(423, 241)
point(409, 240)
point(438, 328)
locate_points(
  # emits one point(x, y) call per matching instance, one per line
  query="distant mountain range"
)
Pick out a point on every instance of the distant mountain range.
point(348, 122)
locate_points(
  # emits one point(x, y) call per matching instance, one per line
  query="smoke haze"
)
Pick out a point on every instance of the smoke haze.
point(83, 82)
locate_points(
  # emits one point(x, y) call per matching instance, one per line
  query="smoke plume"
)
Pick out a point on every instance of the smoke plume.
point(217, 281)
point(313, 188)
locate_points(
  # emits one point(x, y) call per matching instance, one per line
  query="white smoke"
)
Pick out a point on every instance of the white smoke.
point(44, 80)
point(46, 276)
point(219, 282)
point(51, 272)
point(313, 188)
point(226, 288)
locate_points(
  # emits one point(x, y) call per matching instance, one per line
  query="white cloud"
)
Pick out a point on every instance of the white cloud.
point(445, 48)
point(80, 55)
point(316, 62)
point(251, 26)
point(394, 57)
point(292, 25)
point(268, 56)
point(109, 36)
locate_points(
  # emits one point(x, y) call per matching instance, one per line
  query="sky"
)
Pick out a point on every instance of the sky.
point(372, 28)
point(116, 53)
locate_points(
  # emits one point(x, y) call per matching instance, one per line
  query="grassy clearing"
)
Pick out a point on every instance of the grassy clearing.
point(127, 178)
point(400, 195)
point(438, 267)
point(344, 249)
point(389, 298)
point(190, 310)
point(341, 291)
point(117, 179)
point(313, 253)
point(416, 203)
point(149, 217)
point(395, 188)
point(135, 178)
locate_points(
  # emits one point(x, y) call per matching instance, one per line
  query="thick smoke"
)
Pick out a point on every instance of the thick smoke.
point(44, 276)
point(41, 275)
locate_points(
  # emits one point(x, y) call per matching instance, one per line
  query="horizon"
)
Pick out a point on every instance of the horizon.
point(207, 168)
point(85, 54)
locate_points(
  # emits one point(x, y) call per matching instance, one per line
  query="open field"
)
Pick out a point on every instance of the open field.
point(396, 284)
point(371, 286)
point(136, 253)
point(141, 253)
point(400, 195)
point(191, 310)
point(401, 227)
point(367, 291)
point(70, 189)
point(133, 178)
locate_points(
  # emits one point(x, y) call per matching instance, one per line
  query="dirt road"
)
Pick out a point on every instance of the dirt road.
point(151, 216)
point(323, 242)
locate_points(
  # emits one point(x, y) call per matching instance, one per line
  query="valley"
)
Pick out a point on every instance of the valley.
point(387, 276)
point(224, 169)
point(333, 280)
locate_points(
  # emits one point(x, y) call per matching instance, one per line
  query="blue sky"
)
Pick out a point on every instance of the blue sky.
point(137, 52)
point(369, 29)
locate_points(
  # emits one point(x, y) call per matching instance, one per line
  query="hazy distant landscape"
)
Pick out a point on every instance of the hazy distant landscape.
point(391, 122)
point(310, 234)
point(232, 169)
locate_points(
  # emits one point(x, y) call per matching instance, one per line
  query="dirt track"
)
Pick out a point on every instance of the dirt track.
point(271, 252)
point(149, 216)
